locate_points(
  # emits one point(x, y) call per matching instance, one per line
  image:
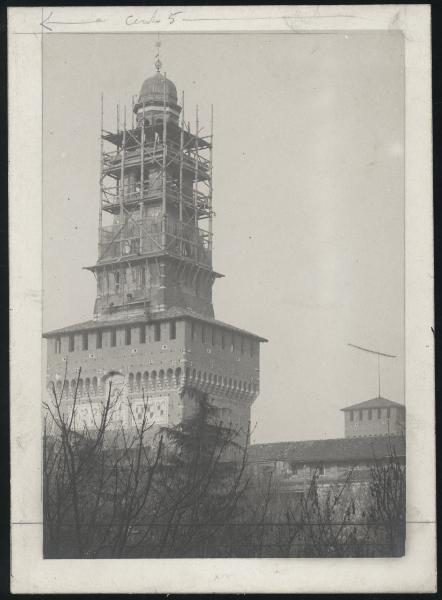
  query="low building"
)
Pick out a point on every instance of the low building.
point(334, 460)
point(374, 431)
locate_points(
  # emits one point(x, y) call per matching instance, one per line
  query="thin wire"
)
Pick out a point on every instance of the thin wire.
point(372, 351)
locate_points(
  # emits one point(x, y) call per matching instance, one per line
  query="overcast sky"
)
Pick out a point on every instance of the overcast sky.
point(308, 195)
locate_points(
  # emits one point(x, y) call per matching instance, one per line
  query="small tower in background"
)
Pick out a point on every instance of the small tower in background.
point(374, 417)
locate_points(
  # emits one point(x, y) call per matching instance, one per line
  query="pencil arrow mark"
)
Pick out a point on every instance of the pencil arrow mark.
point(47, 21)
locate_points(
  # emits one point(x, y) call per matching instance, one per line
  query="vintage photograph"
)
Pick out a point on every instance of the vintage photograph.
point(223, 295)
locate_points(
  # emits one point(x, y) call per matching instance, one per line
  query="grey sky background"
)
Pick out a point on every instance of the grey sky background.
point(308, 195)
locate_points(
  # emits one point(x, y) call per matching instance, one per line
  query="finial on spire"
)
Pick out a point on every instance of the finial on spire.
point(158, 63)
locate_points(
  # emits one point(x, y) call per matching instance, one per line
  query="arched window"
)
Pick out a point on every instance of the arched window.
point(80, 387)
point(169, 377)
point(94, 385)
point(131, 382)
point(154, 378)
point(87, 384)
point(73, 387)
point(199, 375)
point(161, 377)
point(178, 375)
point(194, 373)
point(210, 377)
point(58, 386)
point(145, 379)
point(138, 380)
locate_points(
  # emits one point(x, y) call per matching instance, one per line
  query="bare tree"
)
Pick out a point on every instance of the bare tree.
point(96, 480)
point(354, 518)
point(108, 493)
point(324, 522)
point(200, 482)
point(388, 501)
point(185, 491)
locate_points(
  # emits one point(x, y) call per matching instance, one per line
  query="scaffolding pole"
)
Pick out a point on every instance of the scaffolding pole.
point(142, 181)
point(100, 210)
point(196, 155)
point(132, 113)
point(210, 176)
point(164, 199)
point(181, 159)
point(146, 273)
point(122, 186)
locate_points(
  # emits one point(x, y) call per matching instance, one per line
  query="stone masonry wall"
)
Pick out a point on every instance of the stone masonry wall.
point(200, 356)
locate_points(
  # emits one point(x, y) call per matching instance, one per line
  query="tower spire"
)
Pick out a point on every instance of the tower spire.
point(158, 63)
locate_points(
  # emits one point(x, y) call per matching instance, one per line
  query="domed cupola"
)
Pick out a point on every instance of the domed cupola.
point(158, 98)
point(157, 90)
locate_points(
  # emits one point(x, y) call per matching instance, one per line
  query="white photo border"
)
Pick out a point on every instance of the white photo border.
point(416, 572)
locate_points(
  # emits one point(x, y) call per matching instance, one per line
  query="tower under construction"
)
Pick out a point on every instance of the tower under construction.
point(153, 331)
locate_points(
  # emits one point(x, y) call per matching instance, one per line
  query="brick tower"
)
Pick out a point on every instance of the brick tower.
point(154, 333)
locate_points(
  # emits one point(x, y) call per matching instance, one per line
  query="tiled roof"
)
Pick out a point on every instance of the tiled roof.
point(378, 402)
point(170, 313)
point(340, 449)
